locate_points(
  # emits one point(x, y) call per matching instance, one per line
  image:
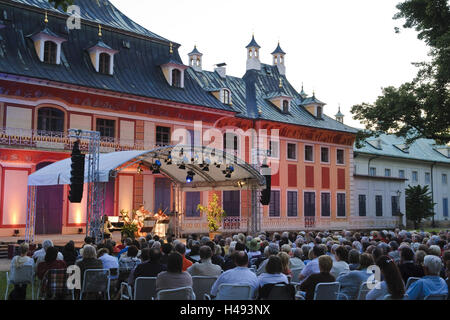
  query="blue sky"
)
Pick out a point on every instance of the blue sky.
point(345, 51)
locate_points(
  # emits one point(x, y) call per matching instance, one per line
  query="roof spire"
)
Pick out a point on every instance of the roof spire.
point(171, 48)
point(46, 17)
point(281, 83)
point(99, 30)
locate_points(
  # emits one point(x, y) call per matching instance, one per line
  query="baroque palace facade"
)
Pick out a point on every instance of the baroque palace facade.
point(115, 77)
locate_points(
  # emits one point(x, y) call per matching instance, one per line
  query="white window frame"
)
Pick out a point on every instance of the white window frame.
point(278, 149)
point(329, 155)
point(425, 175)
point(446, 179)
point(296, 151)
point(374, 172)
point(417, 176)
point(345, 194)
point(287, 204)
point(320, 205)
point(386, 170)
point(315, 202)
point(404, 174)
point(340, 164)
point(304, 153)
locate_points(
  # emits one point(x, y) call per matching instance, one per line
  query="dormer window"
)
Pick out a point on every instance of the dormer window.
point(105, 63)
point(319, 112)
point(48, 46)
point(102, 58)
point(226, 96)
point(176, 78)
point(50, 52)
point(285, 106)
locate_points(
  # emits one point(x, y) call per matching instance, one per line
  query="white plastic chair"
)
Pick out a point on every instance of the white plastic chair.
point(202, 285)
point(233, 292)
point(144, 288)
point(436, 297)
point(184, 293)
point(96, 280)
point(23, 275)
point(363, 291)
point(296, 275)
point(410, 281)
point(327, 291)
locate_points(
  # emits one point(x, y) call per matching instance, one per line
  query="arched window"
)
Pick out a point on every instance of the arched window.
point(50, 49)
point(285, 106)
point(319, 112)
point(226, 96)
point(104, 63)
point(50, 119)
point(176, 78)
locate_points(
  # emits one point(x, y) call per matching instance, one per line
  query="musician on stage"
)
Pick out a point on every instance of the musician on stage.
point(106, 227)
point(161, 228)
point(140, 215)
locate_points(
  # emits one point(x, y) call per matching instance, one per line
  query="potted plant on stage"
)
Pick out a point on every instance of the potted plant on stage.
point(214, 214)
point(129, 227)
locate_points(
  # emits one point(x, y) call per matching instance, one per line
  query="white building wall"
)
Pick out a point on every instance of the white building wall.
point(440, 190)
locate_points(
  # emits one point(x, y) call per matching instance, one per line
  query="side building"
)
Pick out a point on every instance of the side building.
point(385, 166)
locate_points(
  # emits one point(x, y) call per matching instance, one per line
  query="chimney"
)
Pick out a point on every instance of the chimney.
point(221, 69)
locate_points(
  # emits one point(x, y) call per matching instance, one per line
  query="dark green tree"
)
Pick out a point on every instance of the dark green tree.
point(420, 108)
point(419, 204)
point(61, 3)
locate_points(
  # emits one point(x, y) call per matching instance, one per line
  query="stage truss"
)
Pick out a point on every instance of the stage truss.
point(95, 189)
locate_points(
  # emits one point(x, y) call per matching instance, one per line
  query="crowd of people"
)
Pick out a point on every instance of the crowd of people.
point(299, 260)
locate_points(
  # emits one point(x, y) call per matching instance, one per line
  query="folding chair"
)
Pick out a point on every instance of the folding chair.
point(296, 275)
point(232, 292)
point(279, 291)
point(327, 291)
point(436, 297)
point(389, 297)
point(202, 285)
point(410, 281)
point(184, 293)
point(95, 281)
point(364, 290)
point(23, 275)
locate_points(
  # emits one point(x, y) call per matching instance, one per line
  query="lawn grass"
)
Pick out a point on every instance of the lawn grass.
point(11, 287)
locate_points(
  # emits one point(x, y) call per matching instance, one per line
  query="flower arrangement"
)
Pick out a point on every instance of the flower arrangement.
point(129, 227)
point(214, 213)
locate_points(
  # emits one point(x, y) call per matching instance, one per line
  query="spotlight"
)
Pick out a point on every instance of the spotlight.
point(205, 168)
point(155, 167)
point(80, 230)
point(228, 171)
point(140, 169)
point(182, 166)
point(16, 233)
point(168, 161)
point(190, 177)
point(241, 184)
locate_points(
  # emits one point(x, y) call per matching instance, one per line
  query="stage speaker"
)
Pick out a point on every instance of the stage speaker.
point(265, 193)
point(76, 174)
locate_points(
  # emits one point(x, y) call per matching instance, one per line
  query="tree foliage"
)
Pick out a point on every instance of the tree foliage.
point(214, 213)
point(420, 108)
point(64, 4)
point(419, 204)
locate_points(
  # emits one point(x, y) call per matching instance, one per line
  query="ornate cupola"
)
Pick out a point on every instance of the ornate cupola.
point(102, 55)
point(314, 106)
point(339, 116)
point(278, 59)
point(195, 59)
point(48, 44)
point(173, 70)
point(253, 62)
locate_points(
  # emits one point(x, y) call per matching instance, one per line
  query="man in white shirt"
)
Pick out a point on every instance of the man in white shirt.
point(339, 264)
point(241, 274)
point(109, 262)
point(206, 268)
point(312, 266)
point(39, 255)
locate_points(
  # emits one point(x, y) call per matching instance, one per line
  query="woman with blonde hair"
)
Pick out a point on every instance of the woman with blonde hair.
point(285, 258)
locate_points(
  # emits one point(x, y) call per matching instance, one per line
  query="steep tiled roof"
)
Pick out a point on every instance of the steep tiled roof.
point(391, 146)
point(137, 69)
point(266, 83)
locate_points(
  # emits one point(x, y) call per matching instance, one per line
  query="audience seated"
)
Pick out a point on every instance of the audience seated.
point(431, 283)
point(408, 268)
point(351, 281)
point(274, 272)
point(205, 267)
point(174, 277)
point(39, 255)
point(313, 266)
point(69, 253)
point(340, 264)
point(89, 260)
point(50, 262)
point(181, 249)
point(296, 262)
point(20, 290)
point(241, 274)
point(392, 283)
point(149, 268)
point(308, 286)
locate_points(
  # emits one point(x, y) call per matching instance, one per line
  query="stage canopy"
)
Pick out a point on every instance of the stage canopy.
point(111, 164)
